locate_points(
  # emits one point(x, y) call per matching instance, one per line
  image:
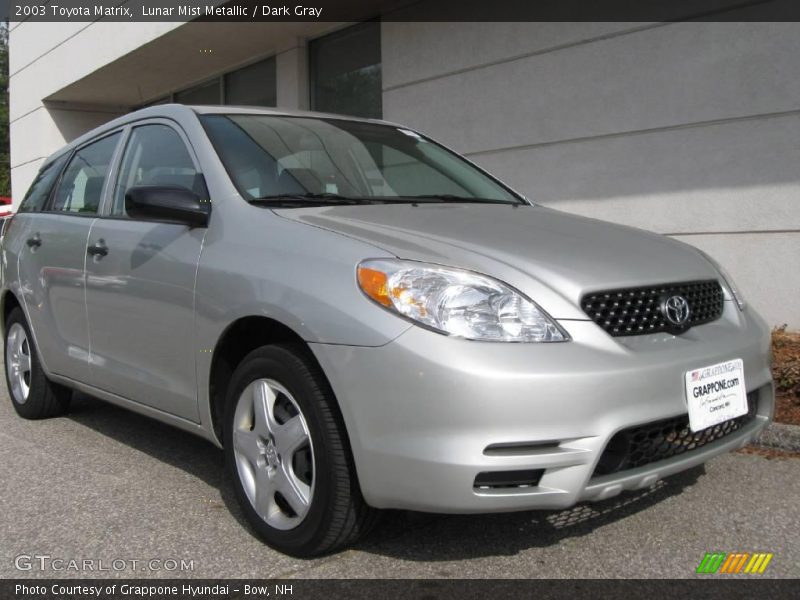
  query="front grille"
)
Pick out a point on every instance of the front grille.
point(644, 444)
point(635, 311)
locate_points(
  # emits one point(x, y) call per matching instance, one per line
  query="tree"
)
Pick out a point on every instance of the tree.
point(5, 157)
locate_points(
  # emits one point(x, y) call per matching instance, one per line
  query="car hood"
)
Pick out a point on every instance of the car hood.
point(552, 256)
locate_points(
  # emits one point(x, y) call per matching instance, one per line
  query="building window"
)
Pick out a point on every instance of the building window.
point(253, 85)
point(206, 93)
point(345, 69)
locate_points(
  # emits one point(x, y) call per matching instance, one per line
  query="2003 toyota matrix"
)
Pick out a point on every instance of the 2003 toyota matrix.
point(365, 320)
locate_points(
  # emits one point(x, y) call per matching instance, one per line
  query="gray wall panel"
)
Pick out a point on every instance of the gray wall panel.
point(679, 128)
point(672, 75)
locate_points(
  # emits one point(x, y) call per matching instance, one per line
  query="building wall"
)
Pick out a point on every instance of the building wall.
point(66, 78)
point(688, 129)
point(45, 57)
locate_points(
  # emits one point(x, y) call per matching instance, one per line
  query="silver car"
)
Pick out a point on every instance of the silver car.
point(365, 320)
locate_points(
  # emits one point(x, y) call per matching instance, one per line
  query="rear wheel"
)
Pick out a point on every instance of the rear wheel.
point(286, 450)
point(33, 395)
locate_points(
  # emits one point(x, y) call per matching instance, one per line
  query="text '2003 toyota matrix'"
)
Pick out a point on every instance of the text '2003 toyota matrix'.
point(365, 320)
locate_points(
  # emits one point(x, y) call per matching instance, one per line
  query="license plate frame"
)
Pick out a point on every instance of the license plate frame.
point(715, 394)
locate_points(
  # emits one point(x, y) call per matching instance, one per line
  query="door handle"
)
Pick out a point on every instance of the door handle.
point(98, 249)
point(34, 242)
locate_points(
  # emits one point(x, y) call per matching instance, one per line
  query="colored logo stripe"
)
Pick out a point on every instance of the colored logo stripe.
point(736, 562)
point(711, 562)
point(758, 564)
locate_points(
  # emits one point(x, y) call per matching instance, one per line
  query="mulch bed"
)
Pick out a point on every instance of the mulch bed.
point(768, 453)
point(786, 373)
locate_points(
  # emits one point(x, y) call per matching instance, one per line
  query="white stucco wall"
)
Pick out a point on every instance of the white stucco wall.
point(66, 78)
point(689, 129)
point(45, 57)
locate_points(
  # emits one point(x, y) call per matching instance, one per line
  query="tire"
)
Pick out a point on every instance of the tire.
point(268, 458)
point(33, 395)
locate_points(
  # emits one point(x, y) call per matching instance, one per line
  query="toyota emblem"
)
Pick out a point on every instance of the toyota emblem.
point(676, 311)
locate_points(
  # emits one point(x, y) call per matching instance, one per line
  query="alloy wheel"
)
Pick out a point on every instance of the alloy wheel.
point(274, 453)
point(18, 362)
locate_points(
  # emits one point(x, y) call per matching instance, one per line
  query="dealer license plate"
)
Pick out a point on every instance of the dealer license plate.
point(716, 394)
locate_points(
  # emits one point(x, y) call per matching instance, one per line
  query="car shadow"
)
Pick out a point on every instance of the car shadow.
point(180, 449)
point(399, 534)
point(431, 538)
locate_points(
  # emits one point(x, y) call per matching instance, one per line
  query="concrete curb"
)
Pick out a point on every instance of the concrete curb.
point(780, 436)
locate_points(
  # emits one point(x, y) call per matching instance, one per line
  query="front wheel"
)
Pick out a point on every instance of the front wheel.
point(287, 452)
point(33, 395)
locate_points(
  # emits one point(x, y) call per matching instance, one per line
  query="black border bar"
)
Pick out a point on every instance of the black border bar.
point(713, 586)
point(133, 11)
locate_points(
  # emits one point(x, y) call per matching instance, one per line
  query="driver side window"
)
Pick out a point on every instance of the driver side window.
point(155, 155)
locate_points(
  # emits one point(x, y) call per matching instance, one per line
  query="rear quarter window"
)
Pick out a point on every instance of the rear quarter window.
point(41, 187)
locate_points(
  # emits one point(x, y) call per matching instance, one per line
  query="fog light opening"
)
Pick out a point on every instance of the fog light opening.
point(614, 456)
point(489, 480)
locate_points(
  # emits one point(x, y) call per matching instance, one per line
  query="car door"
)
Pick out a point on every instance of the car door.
point(51, 264)
point(140, 282)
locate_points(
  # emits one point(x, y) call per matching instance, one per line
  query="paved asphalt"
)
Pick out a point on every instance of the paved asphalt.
point(105, 484)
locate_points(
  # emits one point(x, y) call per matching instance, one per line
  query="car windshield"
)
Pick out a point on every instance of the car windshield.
point(309, 160)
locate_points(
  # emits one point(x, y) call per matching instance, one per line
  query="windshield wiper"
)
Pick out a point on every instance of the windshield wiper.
point(315, 199)
point(307, 199)
point(454, 198)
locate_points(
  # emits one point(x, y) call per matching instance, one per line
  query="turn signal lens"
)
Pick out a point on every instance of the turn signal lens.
point(374, 285)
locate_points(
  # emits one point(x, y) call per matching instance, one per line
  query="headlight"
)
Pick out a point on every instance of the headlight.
point(457, 303)
point(730, 287)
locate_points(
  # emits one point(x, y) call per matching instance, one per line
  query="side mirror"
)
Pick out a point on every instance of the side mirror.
point(170, 203)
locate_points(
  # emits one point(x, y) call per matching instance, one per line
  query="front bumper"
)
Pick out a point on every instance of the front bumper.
point(426, 414)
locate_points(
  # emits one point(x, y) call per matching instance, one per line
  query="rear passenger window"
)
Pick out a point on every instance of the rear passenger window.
point(155, 155)
point(39, 191)
point(81, 186)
